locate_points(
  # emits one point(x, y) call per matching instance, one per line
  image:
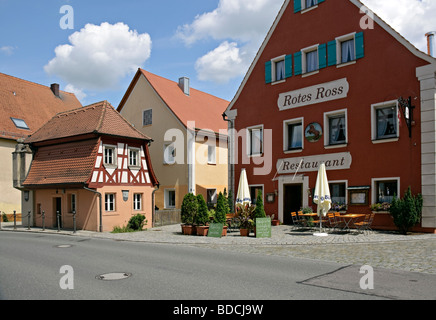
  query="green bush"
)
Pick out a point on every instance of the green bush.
point(136, 223)
point(5, 217)
point(221, 211)
point(406, 212)
point(189, 209)
point(259, 211)
point(202, 217)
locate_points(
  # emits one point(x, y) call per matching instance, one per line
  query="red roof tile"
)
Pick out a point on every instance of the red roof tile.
point(205, 109)
point(69, 163)
point(31, 102)
point(99, 118)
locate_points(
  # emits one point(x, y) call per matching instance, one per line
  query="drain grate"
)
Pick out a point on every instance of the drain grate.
point(114, 276)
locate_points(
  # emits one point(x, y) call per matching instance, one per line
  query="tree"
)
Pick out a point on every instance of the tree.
point(406, 212)
point(259, 212)
point(220, 213)
point(189, 209)
point(202, 216)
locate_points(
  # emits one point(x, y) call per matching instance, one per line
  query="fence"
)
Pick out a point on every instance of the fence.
point(166, 217)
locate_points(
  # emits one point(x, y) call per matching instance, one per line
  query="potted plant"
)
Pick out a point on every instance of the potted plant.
point(245, 220)
point(188, 213)
point(202, 217)
point(221, 211)
point(274, 222)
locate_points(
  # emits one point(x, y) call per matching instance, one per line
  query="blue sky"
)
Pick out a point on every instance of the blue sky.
point(212, 42)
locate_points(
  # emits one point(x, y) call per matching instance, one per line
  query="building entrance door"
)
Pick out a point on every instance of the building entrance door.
point(292, 201)
point(57, 209)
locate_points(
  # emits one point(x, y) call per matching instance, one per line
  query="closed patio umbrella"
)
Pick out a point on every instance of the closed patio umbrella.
point(243, 197)
point(322, 196)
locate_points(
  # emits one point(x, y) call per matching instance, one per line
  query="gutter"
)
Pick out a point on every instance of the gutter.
point(153, 206)
point(100, 227)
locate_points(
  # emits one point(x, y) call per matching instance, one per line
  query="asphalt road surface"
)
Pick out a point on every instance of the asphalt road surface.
point(52, 267)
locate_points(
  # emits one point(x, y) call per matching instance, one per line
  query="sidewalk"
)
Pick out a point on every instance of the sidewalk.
point(415, 252)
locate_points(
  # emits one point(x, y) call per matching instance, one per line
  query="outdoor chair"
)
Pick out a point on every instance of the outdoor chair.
point(340, 224)
point(333, 223)
point(365, 225)
point(298, 223)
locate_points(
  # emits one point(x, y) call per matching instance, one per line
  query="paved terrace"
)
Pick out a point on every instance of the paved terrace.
point(415, 252)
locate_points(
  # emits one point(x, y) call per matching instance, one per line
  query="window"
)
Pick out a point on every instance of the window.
point(72, 203)
point(169, 154)
point(137, 201)
point(255, 141)
point(211, 154)
point(305, 5)
point(293, 134)
point(147, 117)
point(254, 192)
point(338, 193)
point(311, 61)
point(279, 70)
point(385, 189)
point(133, 157)
point(110, 155)
point(310, 3)
point(20, 123)
point(346, 49)
point(170, 198)
point(336, 128)
point(385, 122)
point(109, 202)
point(211, 196)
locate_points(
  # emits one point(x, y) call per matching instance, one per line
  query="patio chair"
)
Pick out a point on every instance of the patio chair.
point(365, 225)
point(340, 224)
point(333, 223)
point(298, 223)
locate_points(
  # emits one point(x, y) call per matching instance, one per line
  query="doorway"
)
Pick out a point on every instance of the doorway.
point(57, 207)
point(292, 202)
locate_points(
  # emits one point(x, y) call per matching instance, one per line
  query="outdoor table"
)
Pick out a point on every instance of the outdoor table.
point(306, 216)
point(350, 218)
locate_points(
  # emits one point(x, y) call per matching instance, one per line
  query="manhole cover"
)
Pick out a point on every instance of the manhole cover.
point(64, 246)
point(114, 276)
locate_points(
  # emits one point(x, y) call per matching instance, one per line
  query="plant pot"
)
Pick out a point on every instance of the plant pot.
point(224, 231)
point(275, 222)
point(188, 229)
point(202, 230)
point(244, 232)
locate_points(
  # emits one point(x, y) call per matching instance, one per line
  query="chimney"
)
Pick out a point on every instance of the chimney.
point(431, 43)
point(55, 88)
point(184, 85)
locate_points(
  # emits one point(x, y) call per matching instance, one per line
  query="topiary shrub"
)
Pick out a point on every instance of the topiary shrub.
point(220, 213)
point(137, 222)
point(259, 211)
point(189, 209)
point(202, 217)
point(406, 212)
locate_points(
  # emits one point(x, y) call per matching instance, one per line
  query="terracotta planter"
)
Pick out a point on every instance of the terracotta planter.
point(202, 230)
point(188, 229)
point(224, 231)
point(244, 232)
point(275, 222)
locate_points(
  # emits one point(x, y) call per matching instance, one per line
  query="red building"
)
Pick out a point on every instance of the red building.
point(331, 83)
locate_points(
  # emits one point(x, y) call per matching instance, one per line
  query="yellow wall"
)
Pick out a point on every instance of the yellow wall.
point(10, 198)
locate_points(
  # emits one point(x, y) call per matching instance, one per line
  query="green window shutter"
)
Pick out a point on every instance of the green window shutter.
point(331, 48)
point(288, 66)
point(297, 63)
point(297, 6)
point(360, 48)
point(322, 55)
point(319, 1)
point(268, 78)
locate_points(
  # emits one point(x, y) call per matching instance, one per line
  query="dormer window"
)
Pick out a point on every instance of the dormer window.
point(20, 123)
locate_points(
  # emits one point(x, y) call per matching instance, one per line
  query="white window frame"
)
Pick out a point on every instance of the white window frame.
point(346, 188)
point(286, 124)
point(304, 53)
point(249, 131)
point(257, 186)
point(327, 116)
point(374, 187)
point(211, 154)
point(215, 196)
point(166, 160)
point(114, 154)
point(108, 202)
point(306, 9)
point(166, 198)
point(374, 107)
point(274, 67)
point(136, 202)
point(20, 123)
point(339, 41)
point(137, 150)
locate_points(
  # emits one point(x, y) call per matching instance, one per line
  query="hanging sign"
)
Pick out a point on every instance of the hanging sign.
point(316, 94)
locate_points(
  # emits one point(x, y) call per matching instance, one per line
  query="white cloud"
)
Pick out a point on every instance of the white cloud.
point(7, 50)
point(77, 92)
point(411, 18)
point(241, 25)
point(99, 56)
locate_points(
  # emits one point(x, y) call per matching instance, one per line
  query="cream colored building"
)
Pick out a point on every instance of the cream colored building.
point(189, 148)
point(24, 107)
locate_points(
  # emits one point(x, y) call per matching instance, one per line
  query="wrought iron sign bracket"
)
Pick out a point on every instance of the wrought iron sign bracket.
point(407, 111)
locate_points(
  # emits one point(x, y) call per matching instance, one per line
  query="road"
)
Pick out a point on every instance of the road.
point(31, 268)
